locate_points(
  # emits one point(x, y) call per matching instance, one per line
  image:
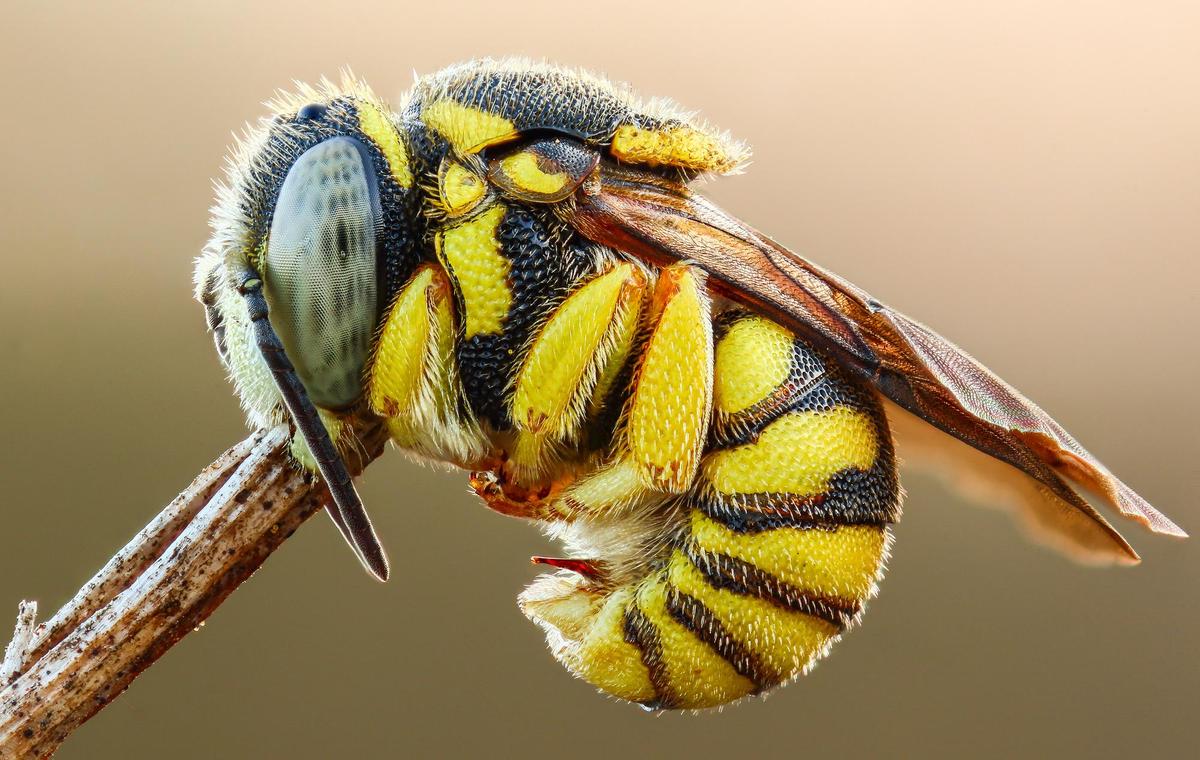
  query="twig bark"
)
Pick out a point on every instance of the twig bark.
point(154, 591)
point(22, 635)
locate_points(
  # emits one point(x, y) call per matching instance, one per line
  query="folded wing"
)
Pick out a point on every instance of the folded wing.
point(657, 218)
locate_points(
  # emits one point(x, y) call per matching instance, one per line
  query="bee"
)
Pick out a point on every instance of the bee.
point(513, 274)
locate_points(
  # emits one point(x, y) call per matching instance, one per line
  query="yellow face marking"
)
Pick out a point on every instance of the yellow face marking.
point(842, 561)
point(682, 146)
point(784, 641)
point(467, 129)
point(401, 349)
point(698, 676)
point(554, 371)
point(523, 171)
point(460, 188)
point(472, 254)
point(753, 359)
point(375, 125)
point(796, 454)
point(669, 413)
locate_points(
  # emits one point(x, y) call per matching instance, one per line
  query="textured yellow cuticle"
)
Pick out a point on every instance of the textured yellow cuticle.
point(401, 349)
point(466, 128)
point(377, 126)
point(842, 561)
point(795, 640)
point(562, 353)
point(669, 413)
point(461, 189)
point(610, 488)
point(796, 454)
point(698, 675)
point(623, 336)
point(443, 320)
point(682, 146)
point(523, 171)
point(607, 660)
point(753, 359)
point(472, 254)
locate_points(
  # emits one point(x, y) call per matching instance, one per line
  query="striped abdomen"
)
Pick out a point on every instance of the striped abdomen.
point(752, 573)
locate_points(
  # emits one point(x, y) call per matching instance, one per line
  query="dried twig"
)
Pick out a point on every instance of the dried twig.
point(16, 649)
point(154, 591)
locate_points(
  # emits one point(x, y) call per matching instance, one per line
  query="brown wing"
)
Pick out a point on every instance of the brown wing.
point(661, 220)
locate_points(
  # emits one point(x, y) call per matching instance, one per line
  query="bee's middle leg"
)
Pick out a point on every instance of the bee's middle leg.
point(560, 386)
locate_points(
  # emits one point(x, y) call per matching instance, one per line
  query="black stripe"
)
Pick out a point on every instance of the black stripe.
point(759, 512)
point(853, 497)
point(731, 574)
point(813, 384)
point(641, 632)
point(741, 428)
point(545, 265)
point(693, 615)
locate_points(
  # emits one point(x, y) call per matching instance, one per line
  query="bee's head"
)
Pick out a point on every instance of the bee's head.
point(312, 229)
point(318, 203)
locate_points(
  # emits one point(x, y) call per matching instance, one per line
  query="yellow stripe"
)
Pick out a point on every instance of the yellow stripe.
point(375, 125)
point(796, 454)
point(472, 253)
point(467, 129)
point(843, 561)
point(784, 641)
point(606, 660)
point(699, 677)
point(753, 359)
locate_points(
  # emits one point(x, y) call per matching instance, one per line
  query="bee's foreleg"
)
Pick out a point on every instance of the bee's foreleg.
point(412, 381)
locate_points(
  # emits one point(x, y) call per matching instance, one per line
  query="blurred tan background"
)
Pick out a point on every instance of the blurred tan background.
point(1024, 176)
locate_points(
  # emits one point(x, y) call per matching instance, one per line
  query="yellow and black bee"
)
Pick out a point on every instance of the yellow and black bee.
point(512, 273)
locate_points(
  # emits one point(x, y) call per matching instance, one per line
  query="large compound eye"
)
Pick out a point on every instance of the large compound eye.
point(320, 278)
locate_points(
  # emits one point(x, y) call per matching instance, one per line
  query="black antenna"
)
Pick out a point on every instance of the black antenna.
point(347, 508)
